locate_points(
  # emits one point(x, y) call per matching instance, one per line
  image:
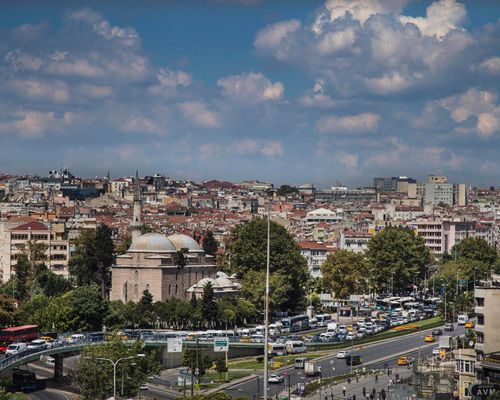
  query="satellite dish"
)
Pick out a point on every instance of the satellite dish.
point(471, 343)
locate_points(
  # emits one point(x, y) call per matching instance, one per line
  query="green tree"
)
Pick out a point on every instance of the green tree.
point(345, 273)
point(476, 249)
point(24, 274)
point(146, 310)
point(124, 244)
point(253, 287)
point(93, 258)
point(208, 304)
point(249, 250)
point(49, 313)
point(87, 308)
point(95, 377)
point(398, 254)
point(180, 258)
point(287, 189)
point(7, 311)
point(51, 284)
point(221, 367)
point(210, 244)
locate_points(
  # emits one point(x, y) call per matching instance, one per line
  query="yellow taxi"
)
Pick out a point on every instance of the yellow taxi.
point(429, 339)
point(47, 339)
point(469, 325)
point(403, 361)
point(245, 339)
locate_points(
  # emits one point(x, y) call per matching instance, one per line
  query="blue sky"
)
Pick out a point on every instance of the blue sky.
point(286, 91)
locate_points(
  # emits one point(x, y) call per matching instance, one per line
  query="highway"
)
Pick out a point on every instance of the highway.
point(374, 356)
point(48, 394)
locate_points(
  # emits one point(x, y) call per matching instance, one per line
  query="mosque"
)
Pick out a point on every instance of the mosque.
point(149, 264)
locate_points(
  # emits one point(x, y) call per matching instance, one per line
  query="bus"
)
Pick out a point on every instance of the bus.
point(295, 346)
point(323, 319)
point(24, 333)
point(295, 324)
point(278, 349)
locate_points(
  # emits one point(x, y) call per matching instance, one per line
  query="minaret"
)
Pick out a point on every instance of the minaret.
point(136, 224)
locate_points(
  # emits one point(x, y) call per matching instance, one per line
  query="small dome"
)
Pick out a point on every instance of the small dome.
point(181, 241)
point(204, 281)
point(152, 243)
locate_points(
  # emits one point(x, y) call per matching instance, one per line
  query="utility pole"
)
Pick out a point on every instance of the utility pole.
point(266, 297)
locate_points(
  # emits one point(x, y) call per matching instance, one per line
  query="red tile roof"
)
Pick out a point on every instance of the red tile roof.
point(33, 226)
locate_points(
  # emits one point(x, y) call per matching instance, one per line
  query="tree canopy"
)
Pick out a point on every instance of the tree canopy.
point(398, 253)
point(476, 249)
point(210, 244)
point(287, 266)
point(345, 272)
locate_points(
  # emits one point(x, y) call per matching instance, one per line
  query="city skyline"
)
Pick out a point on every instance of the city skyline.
point(234, 90)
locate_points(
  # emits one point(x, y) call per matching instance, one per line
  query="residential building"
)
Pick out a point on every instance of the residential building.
point(438, 179)
point(322, 215)
point(354, 241)
point(465, 369)
point(315, 253)
point(343, 194)
point(439, 193)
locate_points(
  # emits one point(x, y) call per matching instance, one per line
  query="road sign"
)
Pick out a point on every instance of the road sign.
point(174, 345)
point(483, 390)
point(221, 345)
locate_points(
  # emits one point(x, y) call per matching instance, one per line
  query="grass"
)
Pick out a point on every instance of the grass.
point(231, 375)
point(18, 396)
point(278, 361)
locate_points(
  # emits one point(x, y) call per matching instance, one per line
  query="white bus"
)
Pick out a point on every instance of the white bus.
point(278, 349)
point(295, 346)
point(323, 319)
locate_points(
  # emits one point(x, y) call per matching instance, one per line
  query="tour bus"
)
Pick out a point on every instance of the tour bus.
point(295, 324)
point(295, 346)
point(25, 333)
point(278, 349)
point(323, 319)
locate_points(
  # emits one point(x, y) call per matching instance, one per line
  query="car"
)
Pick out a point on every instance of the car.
point(429, 339)
point(449, 327)
point(275, 378)
point(469, 325)
point(15, 348)
point(403, 361)
point(437, 332)
point(37, 345)
point(342, 354)
point(435, 351)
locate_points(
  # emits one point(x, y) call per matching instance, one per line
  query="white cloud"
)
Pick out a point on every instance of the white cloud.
point(168, 81)
point(55, 91)
point(360, 123)
point(389, 83)
point(332, 42)
point(442, 17)
point(142, 124)
point(491, 65)
point(251, 87)
point(33, 124)
point(243, 146)
point(20, 61)
point(273, 148)
point(198, 113)
point(481, 104)
point(94, 91)
point(317, 98)
point(272, 36)
point(348, 159)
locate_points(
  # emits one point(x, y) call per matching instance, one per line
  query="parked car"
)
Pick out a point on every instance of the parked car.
point(275, 378)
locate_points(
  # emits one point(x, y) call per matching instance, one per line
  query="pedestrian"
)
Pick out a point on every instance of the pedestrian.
point(376, 378)
point(397, 376)
point(364, 391)
point(353, 397)
point(349, 397)
point(390, 382)
point(382, 394)
point(357, 379)
point(349, 381)
point(374, 392)
point(389, 372)
point(372, 397)
point(343, 390)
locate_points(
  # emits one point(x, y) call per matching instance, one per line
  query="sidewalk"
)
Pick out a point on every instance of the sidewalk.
point(356, 388)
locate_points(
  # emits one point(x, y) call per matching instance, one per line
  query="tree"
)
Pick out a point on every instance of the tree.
point(23, 275)
point(249, 249)
point(145, 309)
point(6, 311)
point(208, 304)
point(221, 367)
point(95, 377)
point(93, 258)
point(180, 258)
point(287, 189)
point(344, 273)
point(210, 245)
point(253, 287)
point(397, 254)
point(124, 245)
point(476, 249)
point(87, 308)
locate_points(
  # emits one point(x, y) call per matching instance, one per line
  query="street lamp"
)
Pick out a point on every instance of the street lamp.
point(115, 363)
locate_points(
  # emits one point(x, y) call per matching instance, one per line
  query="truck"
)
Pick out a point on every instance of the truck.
point(445, 342)
point(332, 327)
point(312, 368)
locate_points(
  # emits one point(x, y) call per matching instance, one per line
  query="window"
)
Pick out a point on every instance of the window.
point(480, 319)
point(169, 289)
point(136, 291)
point(136, 276)
point(176, 287)
point(480, 301)
point(125, 293)
point(148, 288)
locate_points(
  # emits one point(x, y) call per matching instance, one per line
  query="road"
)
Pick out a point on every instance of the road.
point(376, 355)
point(48, 394)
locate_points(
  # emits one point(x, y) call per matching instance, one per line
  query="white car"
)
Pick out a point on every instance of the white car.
point(275, 378)
point(435, 351)
point(15, 348)
point(342, 354)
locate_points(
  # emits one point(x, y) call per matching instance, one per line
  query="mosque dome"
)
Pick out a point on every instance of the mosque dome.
point(152, 243)
point(181, 241)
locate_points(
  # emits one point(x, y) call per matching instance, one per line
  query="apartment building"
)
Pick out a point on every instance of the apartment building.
point(487, 309)
point(315, 253)
point(354, 241)
point(15, 238)
point(465, 369)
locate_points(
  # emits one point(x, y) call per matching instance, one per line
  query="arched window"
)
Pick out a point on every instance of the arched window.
point(169, 289)
point(136, 291)
point(202, 274)
point(125, 293)
point(148, 288)
point(136, 276)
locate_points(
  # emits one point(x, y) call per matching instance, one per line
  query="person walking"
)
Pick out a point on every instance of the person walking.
point(353, 397)
point(343, 390)
point(357, 379)
point(382, 394)
point(376, 378)
point(389, 372)
point(364, 391)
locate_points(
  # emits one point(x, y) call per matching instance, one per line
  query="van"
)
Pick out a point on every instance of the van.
point(299, 363)
point(77, 338)
point(15, 348)
point(462, 319)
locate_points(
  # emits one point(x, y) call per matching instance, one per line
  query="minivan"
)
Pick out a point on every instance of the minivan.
point(15, 348)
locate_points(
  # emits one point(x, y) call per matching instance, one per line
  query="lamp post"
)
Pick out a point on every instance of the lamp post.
point(266, 296)
point(115, 363)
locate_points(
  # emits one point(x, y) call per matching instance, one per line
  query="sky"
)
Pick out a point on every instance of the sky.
point(283, 91)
